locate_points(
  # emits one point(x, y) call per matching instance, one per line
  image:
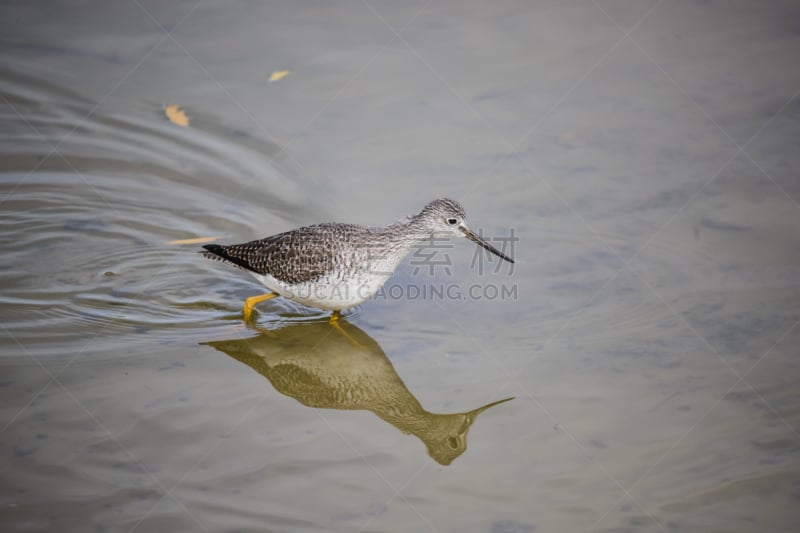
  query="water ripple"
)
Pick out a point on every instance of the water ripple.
point(90, 197)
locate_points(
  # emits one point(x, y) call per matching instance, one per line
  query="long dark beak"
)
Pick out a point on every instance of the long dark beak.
point(480, 242)
point(479, 410)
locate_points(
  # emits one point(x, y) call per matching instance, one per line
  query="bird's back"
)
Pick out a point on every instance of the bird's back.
point(306, 254)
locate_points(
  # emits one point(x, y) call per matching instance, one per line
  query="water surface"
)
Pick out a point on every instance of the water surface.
point(647, 330)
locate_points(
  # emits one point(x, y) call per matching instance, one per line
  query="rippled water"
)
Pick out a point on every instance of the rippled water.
point(647, 331)
point(95, 227)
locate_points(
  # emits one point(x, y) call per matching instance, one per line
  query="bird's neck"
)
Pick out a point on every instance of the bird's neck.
point(417, 231)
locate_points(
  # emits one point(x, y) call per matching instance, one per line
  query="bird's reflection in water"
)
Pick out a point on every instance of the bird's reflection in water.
point(344, 368)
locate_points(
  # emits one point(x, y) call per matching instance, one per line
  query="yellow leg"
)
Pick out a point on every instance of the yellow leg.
point(250, 303)
point(337, 325)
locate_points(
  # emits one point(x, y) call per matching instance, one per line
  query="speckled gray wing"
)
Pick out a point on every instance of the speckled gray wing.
point(298, 256)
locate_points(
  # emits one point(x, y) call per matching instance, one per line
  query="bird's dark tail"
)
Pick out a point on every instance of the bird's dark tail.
point(218, 252)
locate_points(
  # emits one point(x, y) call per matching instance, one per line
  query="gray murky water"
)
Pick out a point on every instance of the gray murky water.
point(648, 330)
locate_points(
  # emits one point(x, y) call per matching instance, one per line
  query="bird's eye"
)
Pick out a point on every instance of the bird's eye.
point(452, 221)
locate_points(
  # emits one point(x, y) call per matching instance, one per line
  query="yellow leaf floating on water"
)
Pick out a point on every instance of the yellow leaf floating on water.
point(176, 115)
point(278, 75)
point(196, 240)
